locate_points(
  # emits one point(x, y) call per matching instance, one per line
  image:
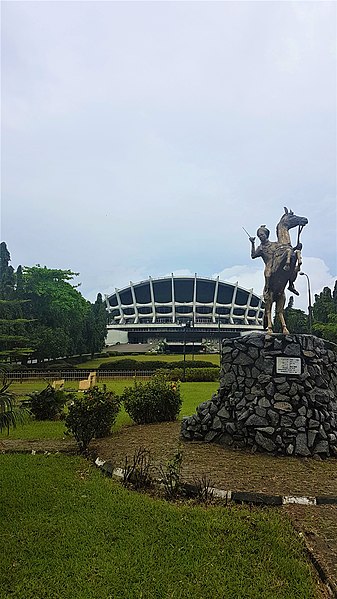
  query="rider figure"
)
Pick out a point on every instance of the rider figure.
point(266, 250)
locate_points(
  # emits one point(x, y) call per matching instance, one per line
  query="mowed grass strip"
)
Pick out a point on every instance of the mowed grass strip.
point(68, 532)
point(192, 395)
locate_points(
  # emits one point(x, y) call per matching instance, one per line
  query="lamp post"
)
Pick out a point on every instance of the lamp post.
point(187, 326)
point(309, 298)
point(219, 327)
point(192, 322)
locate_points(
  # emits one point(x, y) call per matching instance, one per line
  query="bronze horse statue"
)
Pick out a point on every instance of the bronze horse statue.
point(282, 264)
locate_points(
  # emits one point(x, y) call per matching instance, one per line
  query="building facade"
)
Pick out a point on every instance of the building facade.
point(180, 309)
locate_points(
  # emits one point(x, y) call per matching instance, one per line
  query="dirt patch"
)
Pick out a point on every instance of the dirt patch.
point(236, 470)
point(229, 469)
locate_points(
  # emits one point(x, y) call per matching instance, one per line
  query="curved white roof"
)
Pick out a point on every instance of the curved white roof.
point(178, 299)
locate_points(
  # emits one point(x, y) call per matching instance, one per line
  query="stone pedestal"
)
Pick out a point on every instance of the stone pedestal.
point(278, 393)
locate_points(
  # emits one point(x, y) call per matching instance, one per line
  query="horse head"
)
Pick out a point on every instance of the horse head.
point(289, 220)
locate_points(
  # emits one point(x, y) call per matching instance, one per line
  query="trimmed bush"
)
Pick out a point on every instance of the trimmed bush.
point(157, 400)
point(195, 375)
point(130, 364)
point(199, 375)
point(191, 364)
point(48, 404)
point(92, 416)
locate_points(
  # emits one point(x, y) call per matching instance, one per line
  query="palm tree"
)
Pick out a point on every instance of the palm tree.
point(10, 413)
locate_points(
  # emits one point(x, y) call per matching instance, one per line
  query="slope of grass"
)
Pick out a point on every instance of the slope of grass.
point(67, 532)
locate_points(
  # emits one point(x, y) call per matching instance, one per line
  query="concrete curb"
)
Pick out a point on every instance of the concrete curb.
point(236, 496)
point(228, 495)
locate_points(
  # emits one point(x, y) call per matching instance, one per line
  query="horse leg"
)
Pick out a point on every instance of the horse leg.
point(280, 302)
point(268, 303)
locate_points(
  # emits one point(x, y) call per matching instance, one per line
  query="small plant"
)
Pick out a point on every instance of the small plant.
point(157, 400)
point(171, 475)
point(10, 413)
point(48, 404)
point(137, 472)
point(92, 416)
point(204, 488)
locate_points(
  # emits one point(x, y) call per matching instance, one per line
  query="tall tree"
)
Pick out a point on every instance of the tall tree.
point(325, 314)
point(60, 310)
point(97, 325)
point(14, 339)
point(325, 304)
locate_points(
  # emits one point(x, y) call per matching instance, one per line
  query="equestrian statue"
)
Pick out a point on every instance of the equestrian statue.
point(282, 264)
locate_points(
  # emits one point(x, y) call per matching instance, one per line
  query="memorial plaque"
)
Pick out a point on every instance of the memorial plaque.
point(285, 365)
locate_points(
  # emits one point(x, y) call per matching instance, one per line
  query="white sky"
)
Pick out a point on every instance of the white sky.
point(138, 137)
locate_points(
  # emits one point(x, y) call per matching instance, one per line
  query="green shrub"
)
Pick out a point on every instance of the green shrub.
point(130, 364)
point(48, 404)
point(13, 367)
point(92, 416)
point(157, 400)
point(199, 375)
point(195, 375)
point(191, 364)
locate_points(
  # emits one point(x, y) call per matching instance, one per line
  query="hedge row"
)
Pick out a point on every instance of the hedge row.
point(129, 364)
point(195, 375)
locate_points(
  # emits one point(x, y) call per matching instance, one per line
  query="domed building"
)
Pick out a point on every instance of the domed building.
point(182, 309)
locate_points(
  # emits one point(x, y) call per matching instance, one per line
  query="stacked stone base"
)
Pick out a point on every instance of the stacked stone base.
point(260, 408)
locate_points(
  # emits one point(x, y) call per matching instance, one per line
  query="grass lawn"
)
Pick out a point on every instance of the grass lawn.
point(192, 394)
point(69, 533)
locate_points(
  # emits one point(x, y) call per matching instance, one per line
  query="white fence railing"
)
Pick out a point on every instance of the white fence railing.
point(77, 375)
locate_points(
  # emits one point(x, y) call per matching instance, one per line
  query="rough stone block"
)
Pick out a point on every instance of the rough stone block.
point(322, 447)
point(211, 435)
point(283, 388)
point(260, 411)
point(223, 413)
point(282, 405)
point(255, 420)
point(294, 349)
point(264, 403)
point(268, 430)
point(264, 442)
point(273, 417)
point(301, 445)
point(300, 421)
point(216, 425)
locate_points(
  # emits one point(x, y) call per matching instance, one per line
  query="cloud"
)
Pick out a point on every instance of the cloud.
point(139, 136)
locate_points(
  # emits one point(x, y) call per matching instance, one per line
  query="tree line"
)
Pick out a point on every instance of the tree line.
point(44, 316)
point(323, 316)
